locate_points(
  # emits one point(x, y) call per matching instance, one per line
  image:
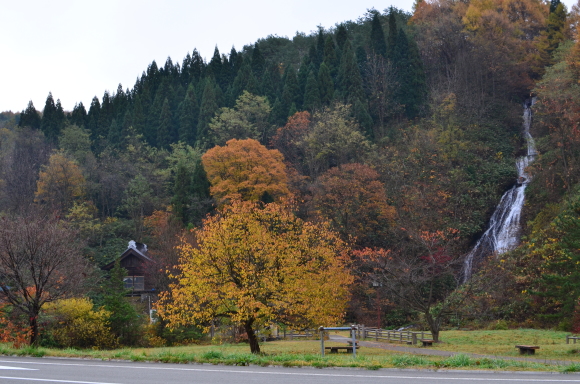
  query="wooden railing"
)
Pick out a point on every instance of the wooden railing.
point(406, 337)
point(293, 334)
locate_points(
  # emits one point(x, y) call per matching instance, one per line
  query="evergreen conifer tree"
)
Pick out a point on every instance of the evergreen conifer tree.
point(165, 126)
point(208, 107)
point(291, 91)
point(325, 85)
point(30, 117)
point(311, 94)
point(51, 120)
point(330, 57)
point(139, 119)
point(188, 117)
point(258, 62)
point(114, 135)
point(349, 78)
point(341, 36)
point(78, 116)
point(392, 38)
point(181, 193)
point(378, 43)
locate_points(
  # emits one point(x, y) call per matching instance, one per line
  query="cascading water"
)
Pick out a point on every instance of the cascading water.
point(504, 225)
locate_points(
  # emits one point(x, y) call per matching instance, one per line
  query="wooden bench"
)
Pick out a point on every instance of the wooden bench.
point(527, 349)
point(348, 349)
point(427, 342)
point(569, 337)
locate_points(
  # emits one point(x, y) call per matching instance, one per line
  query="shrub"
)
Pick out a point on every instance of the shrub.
point(74, 323)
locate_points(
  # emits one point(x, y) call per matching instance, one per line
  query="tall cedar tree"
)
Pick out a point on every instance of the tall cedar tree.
point(325, 85)
point(291, 91)
point(330, 56)
point(52, 119)
point(164, 127)
point(258, 61)
point(349, 78)
point(378, 43)
point(30, 117)
point(208, 108)
point(78, 116)
point(188, 116)
point(311, 94)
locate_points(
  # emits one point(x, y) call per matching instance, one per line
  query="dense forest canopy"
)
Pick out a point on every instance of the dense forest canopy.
point(400, 130)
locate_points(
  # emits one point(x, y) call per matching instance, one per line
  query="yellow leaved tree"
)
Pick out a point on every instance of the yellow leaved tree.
point(60, 183)
point(258, 264)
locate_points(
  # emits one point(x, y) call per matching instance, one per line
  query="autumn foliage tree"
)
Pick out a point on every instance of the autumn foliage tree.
point(60, 182)
point(257, 264)
point(245, 169)
point(354, 200)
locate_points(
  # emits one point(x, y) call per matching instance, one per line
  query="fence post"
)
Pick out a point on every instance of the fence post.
point(353, 332)
point(291, 334)
point(414, 342)
point(321, 330)
point(364, 332)
point(377, 334)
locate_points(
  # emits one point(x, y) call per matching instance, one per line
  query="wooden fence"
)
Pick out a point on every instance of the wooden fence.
point(406, 337)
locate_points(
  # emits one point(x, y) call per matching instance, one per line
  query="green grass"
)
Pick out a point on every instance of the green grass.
point(307, 353)
point(502, 343)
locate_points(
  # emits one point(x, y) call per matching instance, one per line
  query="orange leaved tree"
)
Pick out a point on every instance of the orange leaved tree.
point(245, 169)
point(257, 264)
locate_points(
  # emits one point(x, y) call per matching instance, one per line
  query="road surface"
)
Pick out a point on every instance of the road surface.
point(26, 370)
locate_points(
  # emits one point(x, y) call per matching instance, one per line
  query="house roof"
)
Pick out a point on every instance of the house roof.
point(138, 250)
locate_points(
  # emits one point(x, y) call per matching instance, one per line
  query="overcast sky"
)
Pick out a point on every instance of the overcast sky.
point(78, 49)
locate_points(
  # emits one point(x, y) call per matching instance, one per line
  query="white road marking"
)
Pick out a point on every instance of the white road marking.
point(18, 368)
point(52, 380)
point(431, 377)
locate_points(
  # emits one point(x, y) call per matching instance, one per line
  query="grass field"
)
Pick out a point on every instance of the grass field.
point(307, 353)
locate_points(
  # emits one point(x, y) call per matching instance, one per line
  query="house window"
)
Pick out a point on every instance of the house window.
point(135, 283)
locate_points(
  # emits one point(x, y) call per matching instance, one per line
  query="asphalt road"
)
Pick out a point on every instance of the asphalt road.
point(17, 370)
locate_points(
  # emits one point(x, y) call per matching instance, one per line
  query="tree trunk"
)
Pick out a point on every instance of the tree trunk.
point(33, 322)
point(254, 345)
point(433, 326)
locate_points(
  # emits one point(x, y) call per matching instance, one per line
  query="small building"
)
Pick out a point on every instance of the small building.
point(136, 262)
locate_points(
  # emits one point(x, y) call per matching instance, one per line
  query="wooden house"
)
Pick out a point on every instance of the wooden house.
point(137, 264)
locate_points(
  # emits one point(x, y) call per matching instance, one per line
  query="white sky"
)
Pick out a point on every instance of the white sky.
point(77, 49)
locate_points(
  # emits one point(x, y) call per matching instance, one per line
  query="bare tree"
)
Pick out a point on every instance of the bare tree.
point(40, 261)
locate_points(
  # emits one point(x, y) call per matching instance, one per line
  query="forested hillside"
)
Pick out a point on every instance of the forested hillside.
point(399, 130)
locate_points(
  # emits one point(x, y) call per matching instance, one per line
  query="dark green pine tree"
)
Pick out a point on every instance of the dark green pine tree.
point(107, 114)
point(303, 77)
point(201, 202)
point(163, 92)
point(349, 78)
point(188, 117)
point(214, 68)
point(311, 94)
point(378, 43)
point(165, 126)
point(126, 127)
point(319, 48)
point(94, 119)
point(279, 113)
point(78, 116)
point(341, 36)
point(292, 110)
point(123, 319)
point(208, 107)
point(181, 193)
point(325, 85)
point(120, 103)
point(139, 118)
point(30, 117)
point(114, 137)
point(268, 88)
point(361, 113)
point(258, 61)
point(291, 91)
point(393, 31)
point(52, 120)
point(330, 57)
point(412, 76)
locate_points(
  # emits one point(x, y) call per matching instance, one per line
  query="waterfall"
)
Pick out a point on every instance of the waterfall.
point(503, 233)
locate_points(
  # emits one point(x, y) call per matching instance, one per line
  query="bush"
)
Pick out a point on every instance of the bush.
point(74, 323)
